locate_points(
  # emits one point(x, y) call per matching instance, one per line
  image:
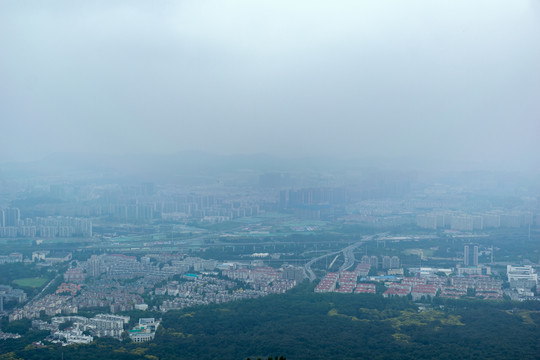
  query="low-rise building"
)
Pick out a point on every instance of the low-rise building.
point(145, 330)
point(522, 277)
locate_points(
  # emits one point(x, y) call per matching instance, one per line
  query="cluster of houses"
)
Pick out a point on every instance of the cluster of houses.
point(344, 282)
point(420, 287)
point(50, 305)
point(267, 279)
point(205, 289)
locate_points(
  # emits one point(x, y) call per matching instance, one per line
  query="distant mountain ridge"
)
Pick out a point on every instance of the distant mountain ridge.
point(187, 162)
point(195, 163)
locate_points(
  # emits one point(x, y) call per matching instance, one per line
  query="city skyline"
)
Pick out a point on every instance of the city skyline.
point(206, 179)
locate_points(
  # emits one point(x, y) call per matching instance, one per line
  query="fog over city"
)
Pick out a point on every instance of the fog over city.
point(428, 83)
point(269, 179)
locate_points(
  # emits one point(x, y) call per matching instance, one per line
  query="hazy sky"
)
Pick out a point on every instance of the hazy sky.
point(439, 80)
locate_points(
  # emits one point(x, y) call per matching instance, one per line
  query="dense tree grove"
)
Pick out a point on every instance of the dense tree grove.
point(305, 325)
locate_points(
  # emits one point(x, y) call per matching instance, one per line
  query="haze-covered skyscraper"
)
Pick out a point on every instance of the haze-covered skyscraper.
point(386, 260)
point(374, 261)
point(12, 217)
point(470, 255)
point(94, 266)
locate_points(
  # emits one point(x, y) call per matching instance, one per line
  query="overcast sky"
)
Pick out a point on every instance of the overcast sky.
point(438, 80)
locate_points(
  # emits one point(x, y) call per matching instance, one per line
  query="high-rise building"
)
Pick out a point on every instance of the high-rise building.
point(283, 199)
point(374, 261)
point(386, 260)
point(293, 273)
point(470, 255)
point(462, 223)
point(94, 266)
point(491, 220)
point(147, 189)
point(426, 221)
point(394, 262)
point(12, 217)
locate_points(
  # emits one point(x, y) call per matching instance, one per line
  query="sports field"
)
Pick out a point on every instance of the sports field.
point(31, 282)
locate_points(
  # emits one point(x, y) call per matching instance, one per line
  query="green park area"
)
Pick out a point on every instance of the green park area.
point(34, 282)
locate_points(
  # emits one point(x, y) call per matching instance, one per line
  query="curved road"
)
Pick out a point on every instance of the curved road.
point(348, 252)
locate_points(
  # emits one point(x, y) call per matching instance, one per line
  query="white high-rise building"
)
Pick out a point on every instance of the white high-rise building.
point(470, 255)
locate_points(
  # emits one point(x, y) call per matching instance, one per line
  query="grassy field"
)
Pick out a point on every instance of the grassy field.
point(31, 282)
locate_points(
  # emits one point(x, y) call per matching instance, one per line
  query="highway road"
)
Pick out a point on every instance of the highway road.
point(348, 253)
